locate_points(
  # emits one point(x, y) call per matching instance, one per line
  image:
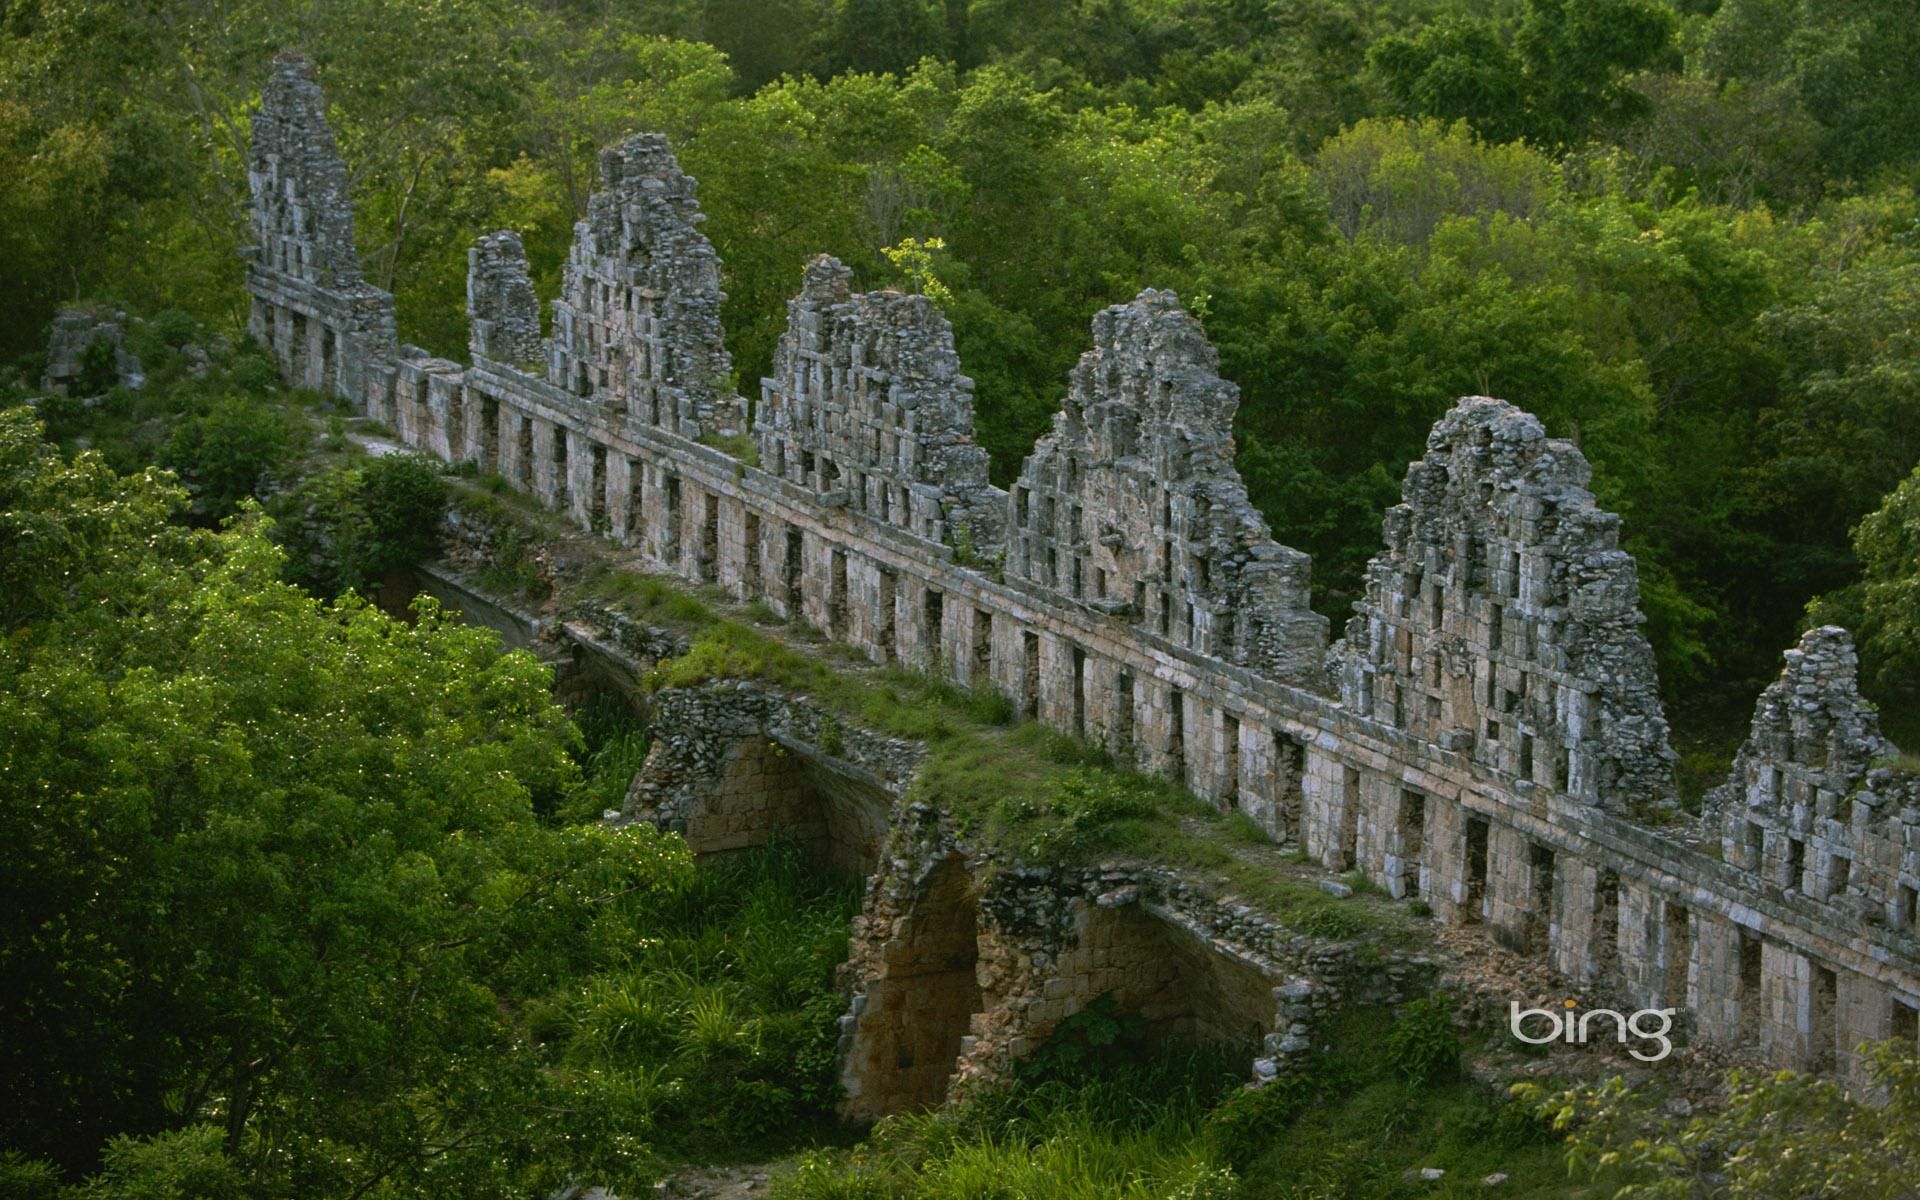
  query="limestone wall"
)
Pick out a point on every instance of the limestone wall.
point(1487, 739)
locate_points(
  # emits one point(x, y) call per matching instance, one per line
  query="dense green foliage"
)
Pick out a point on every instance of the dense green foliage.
point(1100, 1114)
point(1684, 232)
point(278, 911)
point(1781, 1135)
point(352, 525)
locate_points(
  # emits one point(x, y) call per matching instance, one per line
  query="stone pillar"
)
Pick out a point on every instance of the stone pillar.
point(919, 640)
point(1402, 861)
point(1640, 973)
point(1154, 714)
point(547, 483)
point(816, 567)
point(443, 406)
point(1009, 669)
point(514, 439)
point(658, 536)
point(1377, 832)
point(620, 495)
point(733, 549)
point(473, 431)
point(314, 374)
point(1331, 823)
point(1865, 1014)
point(1056, 693)
point(865, 621)
point(1256, 778)
point(581, 491)
point(1509, 887)
point(1445, 885)
point(965, 633)
point(1716, 991)
point(1578, 884)
point(1787, 1020)
point(773, 566)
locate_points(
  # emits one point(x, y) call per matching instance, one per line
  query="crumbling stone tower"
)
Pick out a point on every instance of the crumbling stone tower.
point(310, 305)
point(867, 408)
point(1502, 619)
point(1132, 508)
point(637, 325)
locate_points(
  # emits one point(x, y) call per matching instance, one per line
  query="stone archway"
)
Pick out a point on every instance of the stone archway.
point(919, 1005)
point(1183, 987)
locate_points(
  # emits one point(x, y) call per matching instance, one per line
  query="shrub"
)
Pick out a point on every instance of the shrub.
point(350, 526)
point(253, 372)
point(227, 452)
point(1240, 1128)
point(1422, 1046)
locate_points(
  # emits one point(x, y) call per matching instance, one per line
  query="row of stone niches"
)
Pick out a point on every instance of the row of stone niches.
point(306, 347)
point(1619, 937)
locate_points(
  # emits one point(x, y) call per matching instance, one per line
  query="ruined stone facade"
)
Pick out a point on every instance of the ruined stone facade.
point(1816, 816)
point(1503, 619)
point(1487, 739)
point(868, 409)
point(1132, 507)
point(636, 329)
point(310, 304)
point(502, 306)
point(76, 331)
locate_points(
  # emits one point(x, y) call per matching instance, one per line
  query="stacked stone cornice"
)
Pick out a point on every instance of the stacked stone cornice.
point(1487, 739)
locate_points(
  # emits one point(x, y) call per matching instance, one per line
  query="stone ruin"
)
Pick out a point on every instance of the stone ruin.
point(1487, 739)
point(867, 408)
point(637, 325)
point(1132, 506)
point(1503, 619)
point(326, 325)
point(75, 332)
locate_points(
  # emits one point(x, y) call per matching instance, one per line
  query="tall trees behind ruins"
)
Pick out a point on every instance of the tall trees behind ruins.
point(1684, 233)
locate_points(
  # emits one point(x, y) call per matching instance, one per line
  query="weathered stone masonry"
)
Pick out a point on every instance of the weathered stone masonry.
point(1487, 737)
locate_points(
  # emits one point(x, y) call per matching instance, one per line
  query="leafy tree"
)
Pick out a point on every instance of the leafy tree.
point(1561, 76)
point(229, 452)
point(883, 35)
point(272, 873)
point(1883, 608)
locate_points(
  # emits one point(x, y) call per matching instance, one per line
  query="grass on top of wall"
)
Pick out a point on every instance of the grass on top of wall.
point(1045, 796)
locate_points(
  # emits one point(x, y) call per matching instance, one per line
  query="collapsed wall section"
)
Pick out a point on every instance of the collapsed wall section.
point(1502, 619)
point(310, 304)
point(1132, 506)
point(636, 329)
point(867, 409)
